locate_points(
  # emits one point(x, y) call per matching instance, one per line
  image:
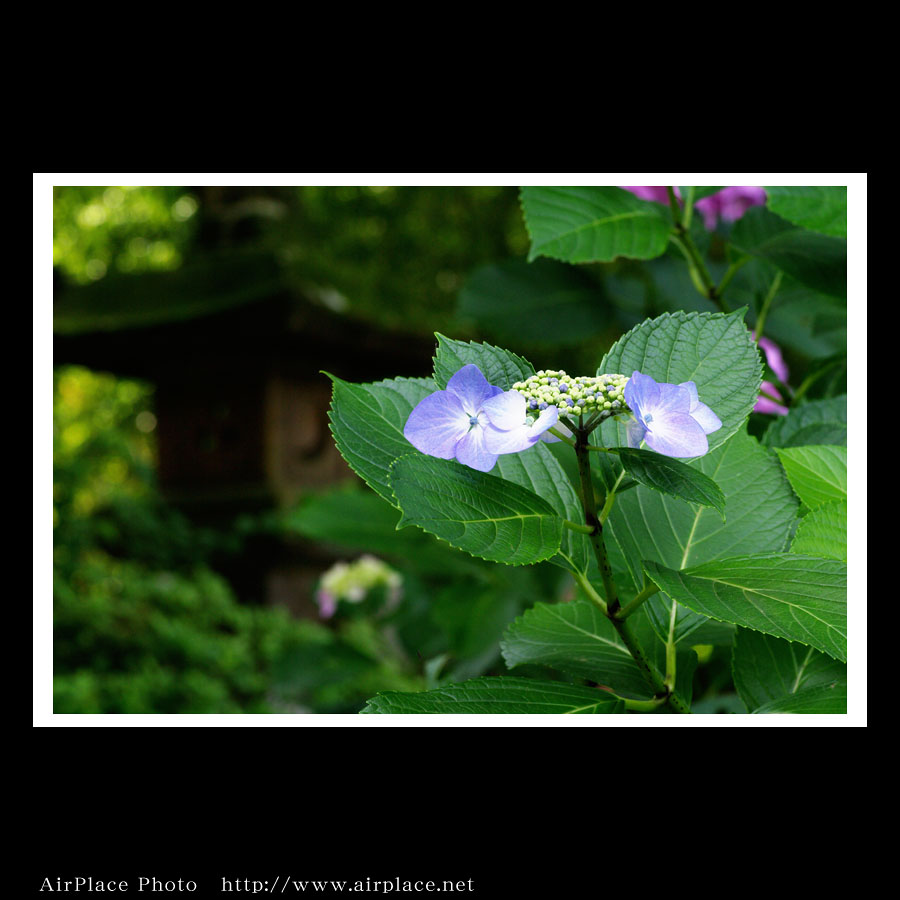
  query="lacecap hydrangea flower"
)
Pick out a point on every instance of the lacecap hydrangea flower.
point(351, 582)
point(475, 422)
point(669, 417)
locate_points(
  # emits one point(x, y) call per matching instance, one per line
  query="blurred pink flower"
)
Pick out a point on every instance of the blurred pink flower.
point(327, 603)
point(729, 204)
point(657, 194)
point(776, 363)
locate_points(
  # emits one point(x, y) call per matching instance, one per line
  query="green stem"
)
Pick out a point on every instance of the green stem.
point(561, 436)
point(761, 318)
point(589, 501)
point(702, 289)
point(732, 269)
point(649, 590)
point(673, 205)
point(682, 239)
point(688, 207)
point(610, 499)
point(611, 604)
point(643, 705)
point(671, 654)
point(581, 529)
point(590, 590)
point(811, 379)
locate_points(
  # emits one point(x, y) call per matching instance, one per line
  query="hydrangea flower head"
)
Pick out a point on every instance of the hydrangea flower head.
point(669, 417)
point(351, 582)
point(474, 422)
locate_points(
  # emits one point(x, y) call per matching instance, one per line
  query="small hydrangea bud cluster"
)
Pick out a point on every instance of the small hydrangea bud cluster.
point(574, 396)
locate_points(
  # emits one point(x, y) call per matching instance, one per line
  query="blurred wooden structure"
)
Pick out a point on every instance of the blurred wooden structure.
point(235, 356)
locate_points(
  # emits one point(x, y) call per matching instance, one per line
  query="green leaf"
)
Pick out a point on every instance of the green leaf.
point(500, 367)
point(817, 473)
point(670, 476)
point(713, 350)
point(822, 209)
point(813, 259)
point(367, 422)
point(577, 639)
point(356, 519)
point(593, 224)
point(479, 513)
point(760, 510)
point(816, 422)
point(771, 670)
point(540, 302)
point(823, 532)
point(537, 470)
point(799, 598)
point(499, 695)
point(821, 700)
point(799, 313)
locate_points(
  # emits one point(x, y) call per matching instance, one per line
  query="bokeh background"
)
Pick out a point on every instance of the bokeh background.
point(212, 551)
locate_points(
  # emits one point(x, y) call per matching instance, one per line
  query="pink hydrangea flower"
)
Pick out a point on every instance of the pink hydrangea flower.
point(728, 204)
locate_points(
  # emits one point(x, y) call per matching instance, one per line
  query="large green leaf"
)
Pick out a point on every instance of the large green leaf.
point(768, 670)
point(822, 700)
point(671, 476)
point(540, 302)
point(799, 598)
point(823, 532)
point(817, 473)
point(367, 422)
point(479, 513)
point(499, 695)
point(760, 510)
point(822, 209)
point(713, 350)
point(575, 638)
point(593, 224)
point(816, 422)
point(813, 259)
point(540, 472)
point(501, 367)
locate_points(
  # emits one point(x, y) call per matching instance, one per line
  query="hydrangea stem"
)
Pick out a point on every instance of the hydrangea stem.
point(764, 310)
point(561, 436)
point(682, 239)
point(610, 606)
point(649, 590)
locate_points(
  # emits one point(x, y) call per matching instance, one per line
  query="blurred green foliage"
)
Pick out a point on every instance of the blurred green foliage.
point(396, 255)
point(142, 622)
point(126, 229)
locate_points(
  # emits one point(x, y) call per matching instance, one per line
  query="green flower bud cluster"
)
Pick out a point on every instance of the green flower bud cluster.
point(574, 396)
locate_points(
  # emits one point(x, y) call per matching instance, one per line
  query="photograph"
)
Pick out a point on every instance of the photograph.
point(449, 450)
